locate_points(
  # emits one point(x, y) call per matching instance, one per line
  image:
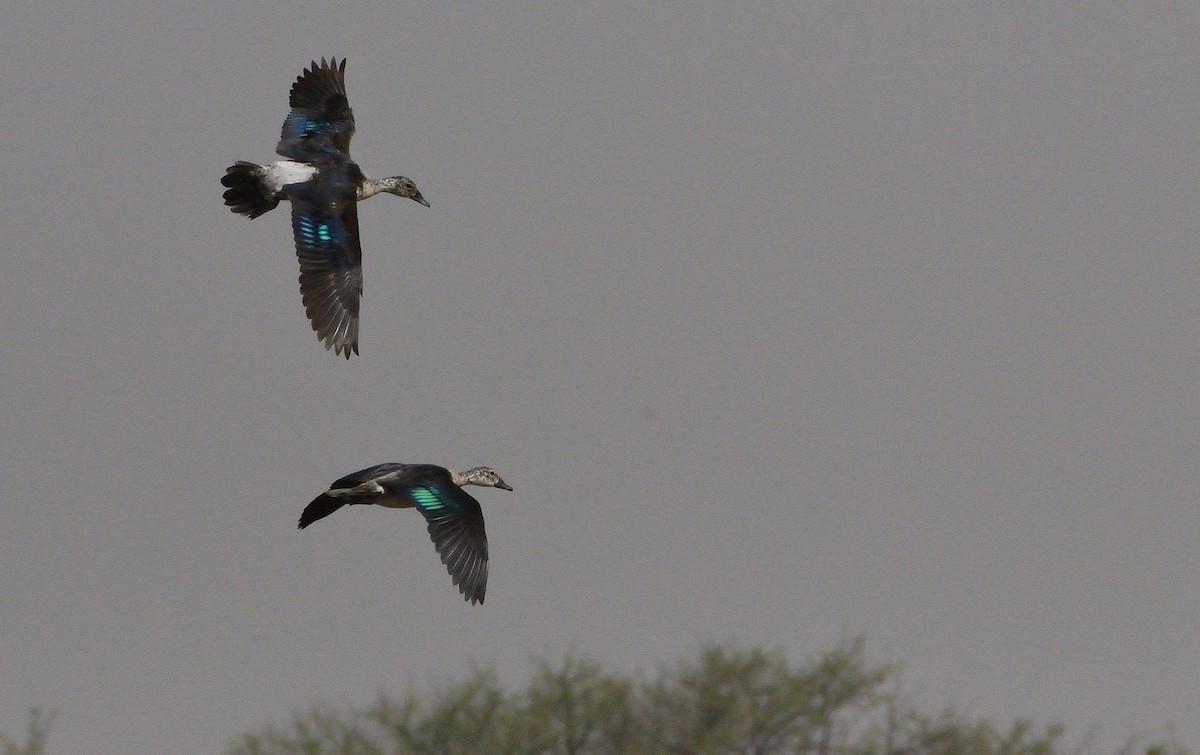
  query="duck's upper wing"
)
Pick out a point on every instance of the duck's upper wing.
point(358, 487)
point(321, 118)
point(456, 528)
point(330, 257)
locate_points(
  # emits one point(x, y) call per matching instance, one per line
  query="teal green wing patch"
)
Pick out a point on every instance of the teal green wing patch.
point(427, 500)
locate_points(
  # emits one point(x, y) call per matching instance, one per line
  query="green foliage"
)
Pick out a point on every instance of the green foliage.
point(1170, 747)
point(753, 702)
point(953, 734)
point(36, 734)
point(726, 700)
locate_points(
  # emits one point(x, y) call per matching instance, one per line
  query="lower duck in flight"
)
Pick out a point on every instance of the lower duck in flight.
point(454, 517)
point(323, 184)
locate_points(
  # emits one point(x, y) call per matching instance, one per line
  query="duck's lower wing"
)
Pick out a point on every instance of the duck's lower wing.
point(456, 528)
point(330, 269)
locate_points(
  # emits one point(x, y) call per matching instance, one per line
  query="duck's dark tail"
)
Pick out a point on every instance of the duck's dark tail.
point(246, 193)
point(321, 507)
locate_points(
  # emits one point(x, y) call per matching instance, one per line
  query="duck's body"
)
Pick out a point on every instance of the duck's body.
point(454, 517)
point(255, 189)
point(323, 184)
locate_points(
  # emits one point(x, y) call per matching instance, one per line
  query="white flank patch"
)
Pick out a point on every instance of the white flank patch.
point(280, 174)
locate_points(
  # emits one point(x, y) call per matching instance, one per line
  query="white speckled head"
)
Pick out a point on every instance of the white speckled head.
point(482, 476)
point(401, 187)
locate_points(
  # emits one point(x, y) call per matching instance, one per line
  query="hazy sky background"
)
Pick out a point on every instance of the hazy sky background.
point(787, 324)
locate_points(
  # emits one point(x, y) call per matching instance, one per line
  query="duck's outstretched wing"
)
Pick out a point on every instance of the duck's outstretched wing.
point(456, 528)
point(321, 118)
point(330, 268)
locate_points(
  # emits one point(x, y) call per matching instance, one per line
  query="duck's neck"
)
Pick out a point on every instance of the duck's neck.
point(370, 187)
point(458, 479)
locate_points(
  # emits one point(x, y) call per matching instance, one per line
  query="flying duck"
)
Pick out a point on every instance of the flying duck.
point(454, 517)
point(323, 184)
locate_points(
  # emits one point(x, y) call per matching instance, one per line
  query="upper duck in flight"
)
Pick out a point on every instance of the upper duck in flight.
point(323, 184)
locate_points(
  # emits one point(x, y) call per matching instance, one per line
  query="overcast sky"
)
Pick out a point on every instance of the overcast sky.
point(786, 325)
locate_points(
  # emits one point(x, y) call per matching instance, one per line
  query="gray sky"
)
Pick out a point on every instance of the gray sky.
point(786, 326)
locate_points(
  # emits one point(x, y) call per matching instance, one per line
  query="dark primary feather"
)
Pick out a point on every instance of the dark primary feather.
point(319, 85)
point(319, 508)
point(321, 118)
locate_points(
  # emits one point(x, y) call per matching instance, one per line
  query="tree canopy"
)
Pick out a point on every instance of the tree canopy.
point(725, 700)
point(37, 732)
